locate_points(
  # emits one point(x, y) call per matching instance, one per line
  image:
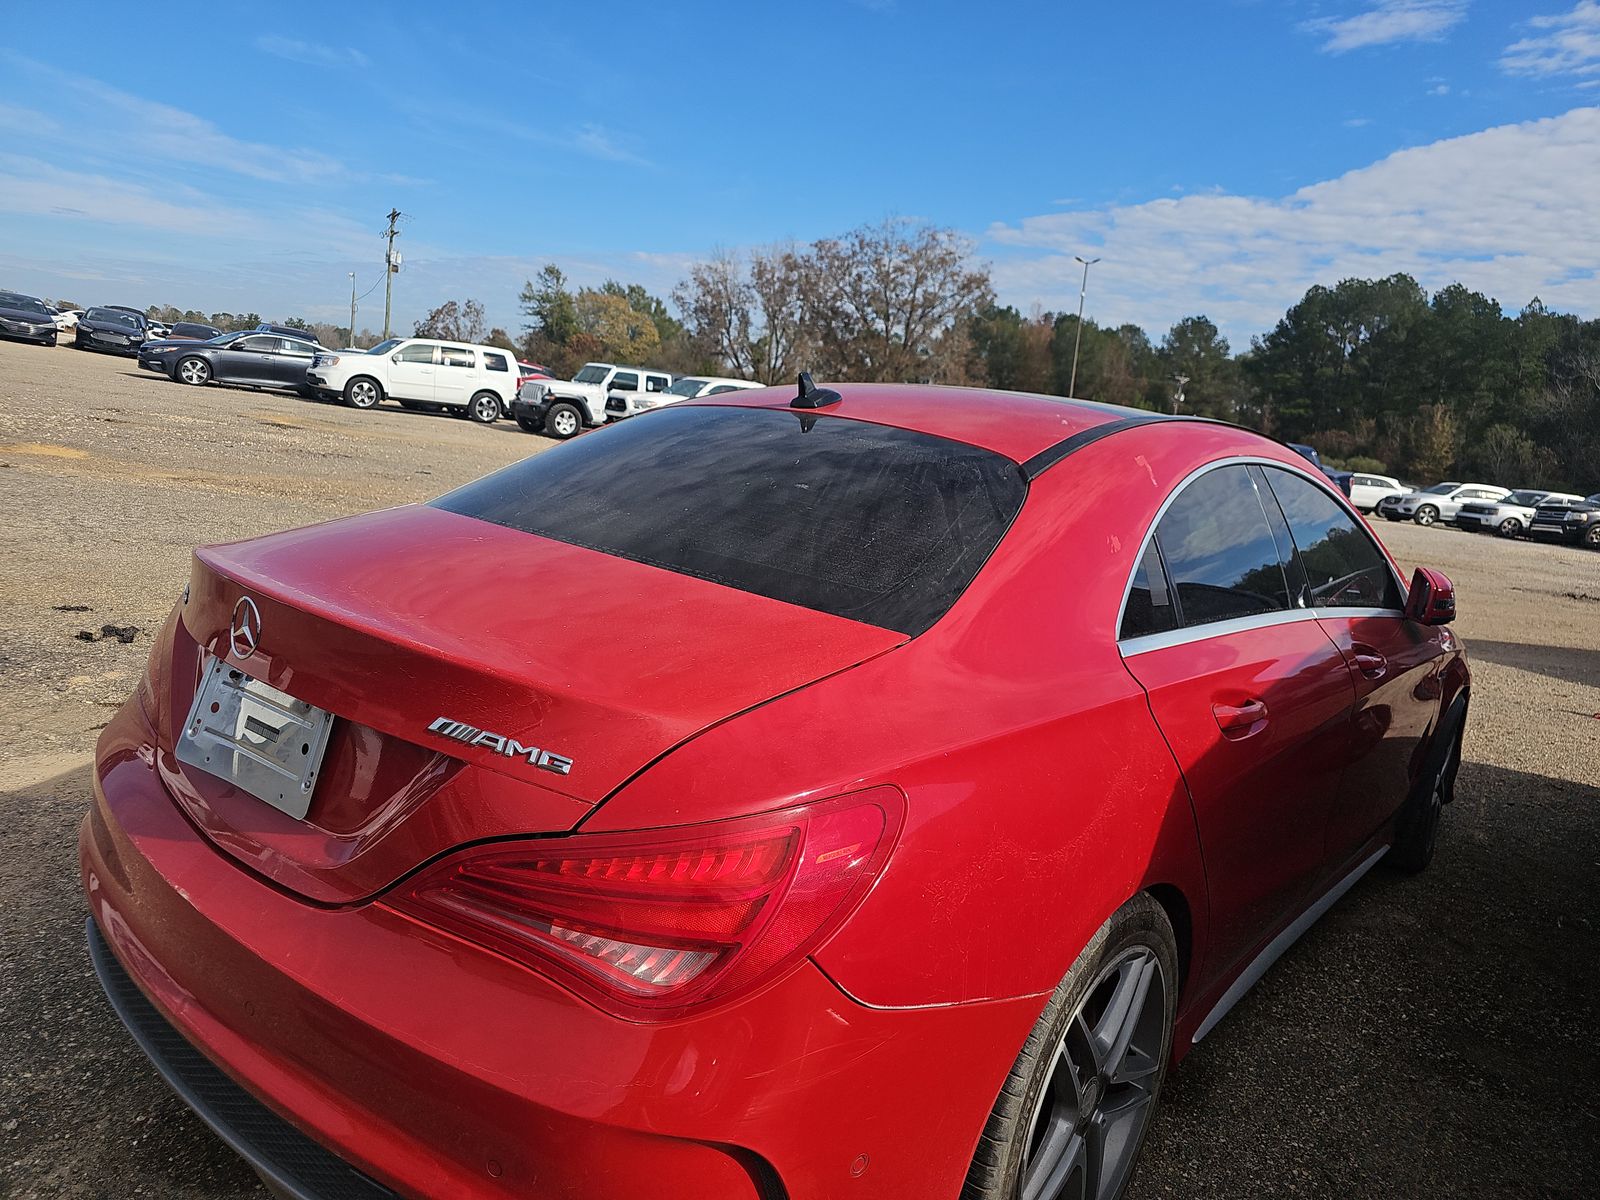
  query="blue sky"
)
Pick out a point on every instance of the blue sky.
point(1219, 156)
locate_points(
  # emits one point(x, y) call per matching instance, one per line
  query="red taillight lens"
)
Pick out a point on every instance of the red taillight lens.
point(655, 923)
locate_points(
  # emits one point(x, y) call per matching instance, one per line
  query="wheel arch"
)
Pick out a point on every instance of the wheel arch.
point(1175, 904)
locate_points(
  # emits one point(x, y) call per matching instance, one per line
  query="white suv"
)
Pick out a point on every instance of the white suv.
point(629, 404)
point(421, 373)
point(1440, 502)
point(564, 408)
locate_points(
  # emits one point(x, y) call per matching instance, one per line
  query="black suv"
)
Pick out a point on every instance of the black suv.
point(1569, 522)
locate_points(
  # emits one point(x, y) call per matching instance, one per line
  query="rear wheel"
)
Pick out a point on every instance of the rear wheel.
point(1510, 527)
point(1591, 537)
point(1072, 1114)
point(362, 392)
point(1416, 834)
point(194, 370)
point(484, 408)
point(563, 421)
point(1426, 515)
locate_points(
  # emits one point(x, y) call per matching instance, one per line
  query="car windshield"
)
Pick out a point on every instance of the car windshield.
point(385, 347)
point(1441, 489)
point(591, 373)
point(107, 317)
point(868, 522)
point(1524, 498)
point(25, 304)
point(686, 387)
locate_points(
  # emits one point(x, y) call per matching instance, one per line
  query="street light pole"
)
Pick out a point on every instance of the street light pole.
point(1077, 336)
point(352, 308)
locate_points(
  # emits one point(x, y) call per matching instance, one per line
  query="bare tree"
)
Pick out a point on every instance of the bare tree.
point(452, 321)
point(716, 303)
point(879, 298)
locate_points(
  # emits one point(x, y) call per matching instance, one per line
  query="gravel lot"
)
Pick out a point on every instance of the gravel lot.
point(1432, 1035)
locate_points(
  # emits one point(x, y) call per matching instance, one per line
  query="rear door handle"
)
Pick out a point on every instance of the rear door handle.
point(1369, 662)
point(1241, 720)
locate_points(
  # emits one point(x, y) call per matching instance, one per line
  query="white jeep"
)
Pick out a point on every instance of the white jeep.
point(629, 404)
point(564, 408)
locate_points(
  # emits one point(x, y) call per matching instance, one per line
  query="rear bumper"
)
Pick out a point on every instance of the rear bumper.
point(436, 1069)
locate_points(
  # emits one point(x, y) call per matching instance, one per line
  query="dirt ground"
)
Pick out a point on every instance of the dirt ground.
point(1431, 1036)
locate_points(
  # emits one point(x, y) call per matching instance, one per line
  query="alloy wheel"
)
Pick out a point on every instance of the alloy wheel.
point(564, 424)
point(1090, 1118)
point(485, 408)
point(1510, 527)
point(194, 370)
point(363, 394)
point(1426, 515)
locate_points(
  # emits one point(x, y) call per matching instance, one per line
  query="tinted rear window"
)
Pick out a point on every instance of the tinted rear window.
point(879, 525)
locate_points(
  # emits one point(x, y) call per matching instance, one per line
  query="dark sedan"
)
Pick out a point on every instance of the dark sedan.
point(112, 329)
point(189, 331)
point(251, 358)
point(27, 319)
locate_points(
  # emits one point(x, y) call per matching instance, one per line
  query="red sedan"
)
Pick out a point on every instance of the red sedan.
point(861, 793)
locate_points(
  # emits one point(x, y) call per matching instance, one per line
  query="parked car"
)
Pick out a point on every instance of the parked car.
point(1441, 502)
point(250, 358)
point(26, 319)
point(563, 409)
point(1366, 490)
point(628, 404)
point(1509, 517)
point(1569, 522)
point(114, 330)
point(1341, 479)
point(66, 318)
point(157, 329)
point(294, 331)
point(137, 313)
point(923, 783)
point(459, 377)
point(194, 332)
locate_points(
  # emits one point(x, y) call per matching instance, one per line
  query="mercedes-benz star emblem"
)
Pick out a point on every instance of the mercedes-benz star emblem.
point(245, 632)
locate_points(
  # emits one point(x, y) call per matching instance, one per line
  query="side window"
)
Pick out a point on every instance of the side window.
point(1343, 566)
point(417, 352)
point(1219, 550)
point(720, 388)
point(455, 356)
point(301, 349)
point(624, 381)
point(1149, 608)
point(656, 383)
point(261, 345)
point(495, 362)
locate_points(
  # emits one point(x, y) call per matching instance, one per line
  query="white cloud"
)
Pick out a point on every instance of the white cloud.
point(1357, 122)
point(315, 54)
point(1508, 211)
point(1439, 89)
point(1566, 44)
point(1390, 21)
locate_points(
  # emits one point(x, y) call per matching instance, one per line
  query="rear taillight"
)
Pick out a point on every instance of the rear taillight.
point(652, 924)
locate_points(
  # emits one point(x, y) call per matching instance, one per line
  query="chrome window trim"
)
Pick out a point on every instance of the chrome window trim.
point(1197, 633)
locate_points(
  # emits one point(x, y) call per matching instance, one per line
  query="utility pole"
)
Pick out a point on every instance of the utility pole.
point(1077, 337)
point(390, 266)
point(352, 308)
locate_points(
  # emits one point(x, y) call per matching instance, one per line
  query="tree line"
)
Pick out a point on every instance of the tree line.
point(1378, 374)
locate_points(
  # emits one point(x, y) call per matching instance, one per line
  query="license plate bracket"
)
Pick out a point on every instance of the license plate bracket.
point(263, 741)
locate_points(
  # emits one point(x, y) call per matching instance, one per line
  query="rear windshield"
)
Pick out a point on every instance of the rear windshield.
point(879, 525)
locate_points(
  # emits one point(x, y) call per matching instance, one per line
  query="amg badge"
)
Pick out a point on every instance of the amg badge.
point(460, 731)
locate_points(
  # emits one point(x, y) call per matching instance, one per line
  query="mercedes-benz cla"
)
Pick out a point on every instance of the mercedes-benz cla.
point(866, 792)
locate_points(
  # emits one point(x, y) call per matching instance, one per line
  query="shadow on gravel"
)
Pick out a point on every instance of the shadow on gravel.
point(1431, 1036)
point(1570, 664)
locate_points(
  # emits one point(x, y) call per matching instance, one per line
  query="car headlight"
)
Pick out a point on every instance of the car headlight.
point(647, 402)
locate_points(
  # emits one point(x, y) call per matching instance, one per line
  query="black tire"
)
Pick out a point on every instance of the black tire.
point(1035, 1123)
point(1591, 537)
point(484, 408)
point(1426, 515)
point(1510, 527)
point(1416, 831)
point(563, 421)
point(363, 391)
point(529, 425)
point(192, 370)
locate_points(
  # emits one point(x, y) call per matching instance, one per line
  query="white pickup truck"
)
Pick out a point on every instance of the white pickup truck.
point(629, 404)
point(564, 408)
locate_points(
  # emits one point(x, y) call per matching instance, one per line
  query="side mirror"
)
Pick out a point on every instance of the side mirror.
point(1432, 599)
point(394, 358)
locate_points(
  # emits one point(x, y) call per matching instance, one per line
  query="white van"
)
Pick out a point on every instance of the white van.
point(421, 372)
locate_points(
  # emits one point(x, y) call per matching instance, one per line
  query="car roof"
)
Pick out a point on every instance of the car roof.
point(1018, 425)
